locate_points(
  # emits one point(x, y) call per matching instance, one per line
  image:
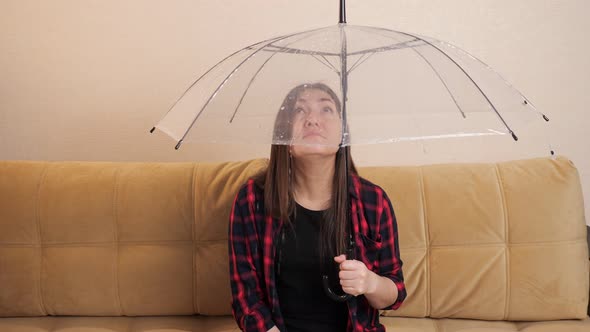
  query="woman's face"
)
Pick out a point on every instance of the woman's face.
point(317, 126)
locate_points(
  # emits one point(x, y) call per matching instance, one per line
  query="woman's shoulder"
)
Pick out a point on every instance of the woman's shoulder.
point(366, 182)
point(367, 188)
point(251, 188)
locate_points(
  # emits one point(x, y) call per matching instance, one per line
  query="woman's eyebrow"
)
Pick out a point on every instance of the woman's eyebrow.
point(304, 101)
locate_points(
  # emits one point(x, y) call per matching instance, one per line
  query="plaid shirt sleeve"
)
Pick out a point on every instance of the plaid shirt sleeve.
point(248, 306)
point(390, 264)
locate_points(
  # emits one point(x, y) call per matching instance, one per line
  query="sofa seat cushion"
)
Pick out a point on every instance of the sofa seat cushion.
point(226, 323)
point(402, 324)
point(119, 324)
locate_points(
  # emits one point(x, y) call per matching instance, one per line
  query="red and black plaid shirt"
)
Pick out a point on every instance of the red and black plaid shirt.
point(252, 239)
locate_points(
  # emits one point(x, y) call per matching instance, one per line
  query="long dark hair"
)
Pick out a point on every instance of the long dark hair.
point(278, 177)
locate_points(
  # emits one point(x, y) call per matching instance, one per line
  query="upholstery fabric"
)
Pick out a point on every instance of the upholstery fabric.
point(100, 239)
point(227, 324)
point(492, 244)
point(502, 241)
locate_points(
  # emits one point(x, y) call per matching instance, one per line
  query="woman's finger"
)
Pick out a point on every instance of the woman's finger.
point(339, 259)
point(350, 290)
point(348, 275)
point(351, 265)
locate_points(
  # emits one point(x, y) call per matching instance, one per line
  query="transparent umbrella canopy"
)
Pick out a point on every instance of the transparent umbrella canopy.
point(395, 86)
point(392, 87)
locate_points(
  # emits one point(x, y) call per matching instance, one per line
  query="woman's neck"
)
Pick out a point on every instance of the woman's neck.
point(313, 182)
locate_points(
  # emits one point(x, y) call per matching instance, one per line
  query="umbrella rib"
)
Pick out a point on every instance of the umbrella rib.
point(330, 64)
point(354, 64)
point(248, 87)
point(300, 51)
point(525, 100)
point(328, 61)
point(437, 74)
point(320, 61)
point(254, 77)
point(466, 74)
point(375, 50)
point(365, 59)
point(398, 46)
point(474, 83)
point(442, 81)
point(209, 70)
point(229, 75)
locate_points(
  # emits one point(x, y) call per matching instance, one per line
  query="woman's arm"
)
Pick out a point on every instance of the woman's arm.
point(382, 293)
point(385, 290)
point(390, 263)
point(357, 279)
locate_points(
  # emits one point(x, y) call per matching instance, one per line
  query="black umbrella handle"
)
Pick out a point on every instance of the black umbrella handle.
point(331, 294)
point(326, 279)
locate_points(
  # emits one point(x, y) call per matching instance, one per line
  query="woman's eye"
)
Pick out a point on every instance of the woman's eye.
point(299, 110)
point(328, 109)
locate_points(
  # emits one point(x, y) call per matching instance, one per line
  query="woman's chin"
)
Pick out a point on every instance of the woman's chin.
point(314, 147)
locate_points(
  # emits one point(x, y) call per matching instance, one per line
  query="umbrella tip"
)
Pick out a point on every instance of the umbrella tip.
point(178, 145)
point(514, 136)
point(152, 130)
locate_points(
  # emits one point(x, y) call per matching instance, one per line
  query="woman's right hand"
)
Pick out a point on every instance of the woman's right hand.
point(274, 329)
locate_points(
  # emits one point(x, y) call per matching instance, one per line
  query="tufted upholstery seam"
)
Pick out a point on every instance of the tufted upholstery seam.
point(193, 237)
point(130, 323)
point(427, 242)
point(116, 239)
point(55, 321)
point(435, 325)
point(38, 222)
point(507, 242)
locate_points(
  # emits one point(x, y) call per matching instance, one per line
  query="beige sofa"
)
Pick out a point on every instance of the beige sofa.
point(98, 246)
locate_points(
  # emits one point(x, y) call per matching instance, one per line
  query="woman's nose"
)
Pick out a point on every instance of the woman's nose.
point(311, 119)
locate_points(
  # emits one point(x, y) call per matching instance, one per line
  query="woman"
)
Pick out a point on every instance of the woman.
point(288, 227)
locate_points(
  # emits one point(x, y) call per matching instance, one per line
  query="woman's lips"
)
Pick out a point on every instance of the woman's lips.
point(308, 135)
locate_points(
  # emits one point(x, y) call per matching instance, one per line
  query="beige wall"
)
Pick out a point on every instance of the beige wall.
point(85, 80)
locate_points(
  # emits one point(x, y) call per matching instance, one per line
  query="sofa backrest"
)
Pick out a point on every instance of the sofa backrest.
point(497, 241)
point(93, 238)
point(486, 241)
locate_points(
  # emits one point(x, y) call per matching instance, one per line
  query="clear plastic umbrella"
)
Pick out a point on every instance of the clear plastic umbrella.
point(393, 87)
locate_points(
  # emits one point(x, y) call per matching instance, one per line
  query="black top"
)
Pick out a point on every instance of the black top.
point(303, 301)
